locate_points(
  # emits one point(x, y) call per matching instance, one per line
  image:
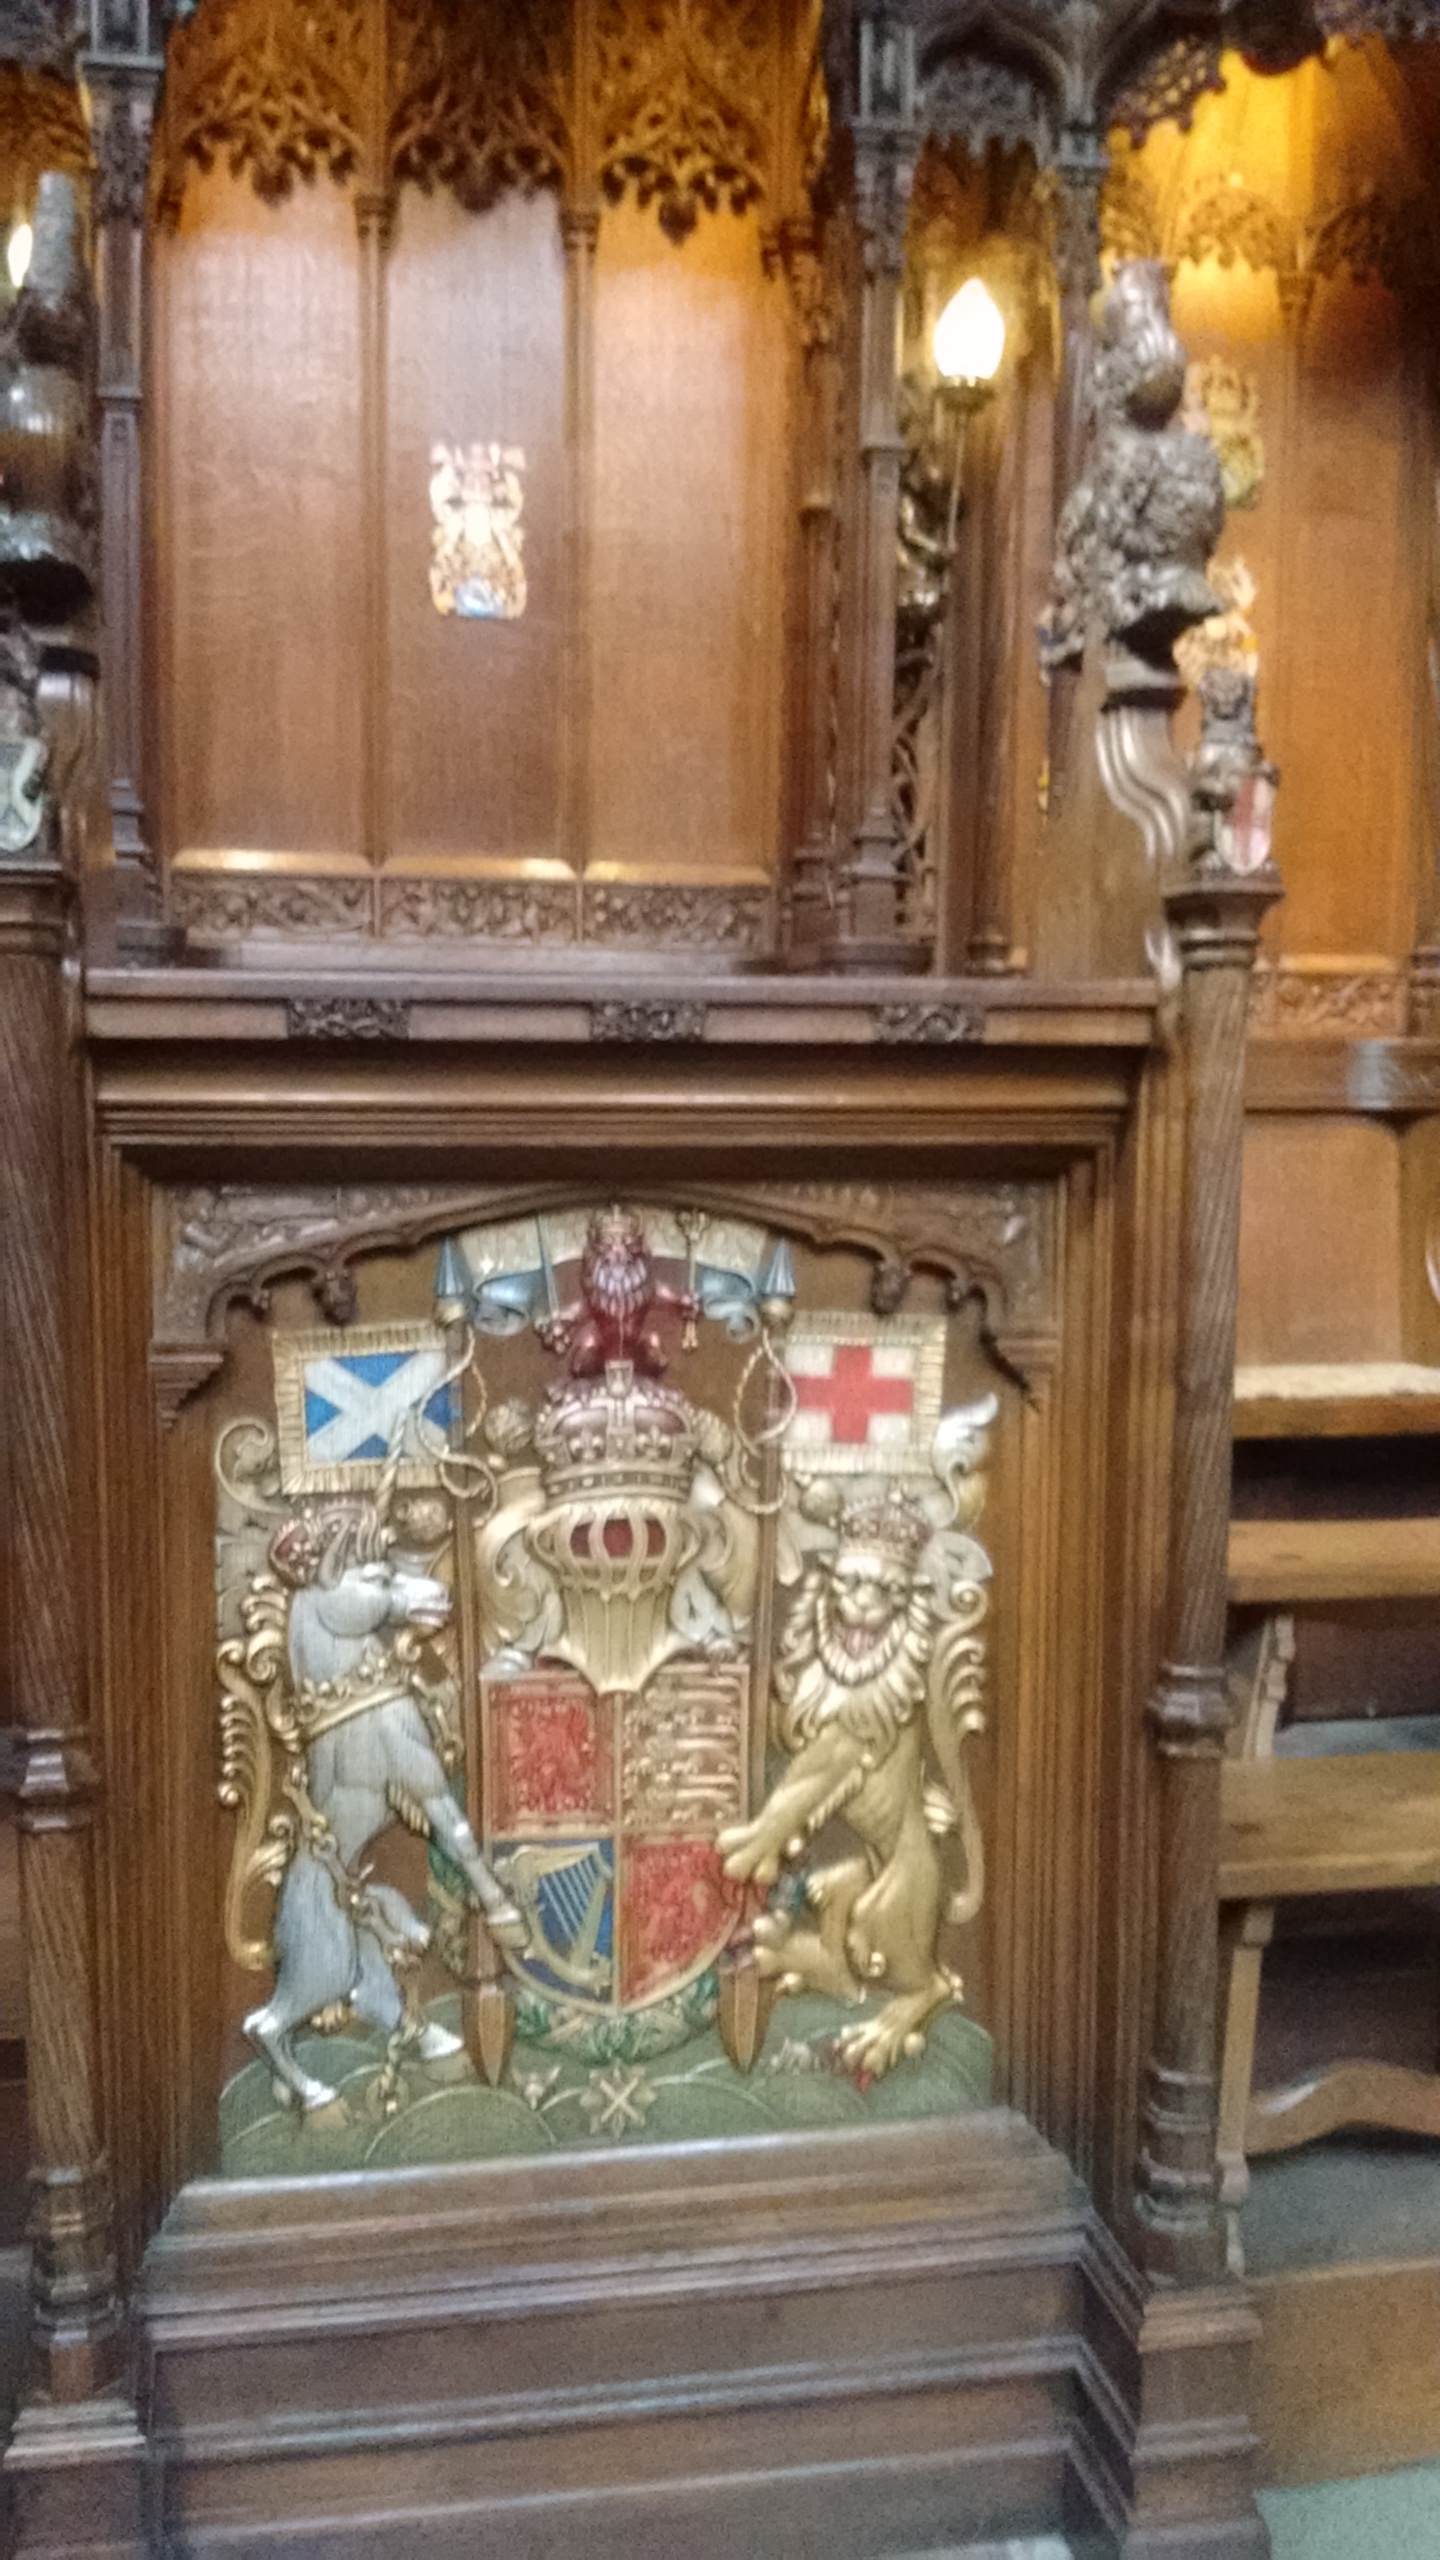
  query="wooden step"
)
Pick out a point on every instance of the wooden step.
point(1281, 1561)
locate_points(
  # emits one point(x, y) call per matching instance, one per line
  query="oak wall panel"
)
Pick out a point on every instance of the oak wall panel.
point(690, 477)
point(1353, 605)
point(1320, 1241)
point(476, 318)
point(256, 399)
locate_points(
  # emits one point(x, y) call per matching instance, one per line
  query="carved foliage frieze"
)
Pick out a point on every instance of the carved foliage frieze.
point(682, 105)
point(729, 919)
point(688, 915)
point(270, 87)
point(638, 1020)
point(1289, 1001)
point(693, 104)
point(507, 911)
point(223, 906)
point(479, 97)
point(44, 127)
point(347, 1018)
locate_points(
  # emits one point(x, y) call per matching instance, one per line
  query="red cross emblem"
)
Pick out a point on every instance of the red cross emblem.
point(852, 1395)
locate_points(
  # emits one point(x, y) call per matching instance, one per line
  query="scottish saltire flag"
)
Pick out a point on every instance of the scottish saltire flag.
point(345, 1401)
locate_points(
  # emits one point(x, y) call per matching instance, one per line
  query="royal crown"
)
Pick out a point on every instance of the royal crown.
point(889, 1522)
point(615, 1434)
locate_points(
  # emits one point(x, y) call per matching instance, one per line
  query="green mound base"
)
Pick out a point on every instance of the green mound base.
point(550, 2101)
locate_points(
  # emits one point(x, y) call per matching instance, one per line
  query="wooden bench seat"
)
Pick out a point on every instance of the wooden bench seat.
point(1294, 1563)
point(1349, 1807)
point(1351, 1824)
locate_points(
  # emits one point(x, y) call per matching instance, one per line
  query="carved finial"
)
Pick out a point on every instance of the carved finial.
point(1233, 782)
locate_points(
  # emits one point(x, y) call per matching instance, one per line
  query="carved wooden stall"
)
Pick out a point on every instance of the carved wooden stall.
point(624, 1102)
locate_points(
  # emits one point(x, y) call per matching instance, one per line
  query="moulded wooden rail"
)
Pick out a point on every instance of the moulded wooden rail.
point(1365, 1823)
point(1336, 1400)
point(1283, 1561)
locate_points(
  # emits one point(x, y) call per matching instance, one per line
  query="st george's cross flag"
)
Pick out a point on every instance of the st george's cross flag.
point(345, 1401)
point(867, 1392)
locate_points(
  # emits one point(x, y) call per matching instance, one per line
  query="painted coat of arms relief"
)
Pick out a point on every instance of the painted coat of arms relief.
point(599, 1658)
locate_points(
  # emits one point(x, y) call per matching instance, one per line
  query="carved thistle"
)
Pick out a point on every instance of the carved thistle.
point(692, 917)
point(1316, 1000)
point(528, 911)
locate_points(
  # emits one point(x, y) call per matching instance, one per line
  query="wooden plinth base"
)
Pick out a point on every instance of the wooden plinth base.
point(874, 2343)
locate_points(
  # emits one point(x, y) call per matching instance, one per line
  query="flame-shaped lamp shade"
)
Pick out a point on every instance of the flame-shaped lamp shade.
point(17, 253)
point(969, 338)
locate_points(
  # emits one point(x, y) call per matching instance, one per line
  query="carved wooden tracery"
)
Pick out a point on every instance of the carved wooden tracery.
point(219, 1248)
point(673, 98)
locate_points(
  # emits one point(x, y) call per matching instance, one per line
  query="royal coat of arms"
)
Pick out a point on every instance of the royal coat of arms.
point(648, 1599)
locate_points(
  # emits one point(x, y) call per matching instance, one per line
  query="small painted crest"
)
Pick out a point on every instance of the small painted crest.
point(477, 544)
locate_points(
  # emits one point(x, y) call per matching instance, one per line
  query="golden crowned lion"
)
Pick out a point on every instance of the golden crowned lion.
point(879, 1659)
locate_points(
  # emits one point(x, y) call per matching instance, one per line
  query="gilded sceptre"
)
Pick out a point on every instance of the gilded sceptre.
point(487, 2005)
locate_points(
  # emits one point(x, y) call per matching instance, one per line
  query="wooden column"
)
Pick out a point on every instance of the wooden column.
point(375, 207)
point(1080, 168)
point(123, 90)
point(1423, 474)
point(580, 233)
point(811, 888)
point(995, 473)
point(1215, 917)
point(887, 143)
point(76, 2452)
point(580, 236)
